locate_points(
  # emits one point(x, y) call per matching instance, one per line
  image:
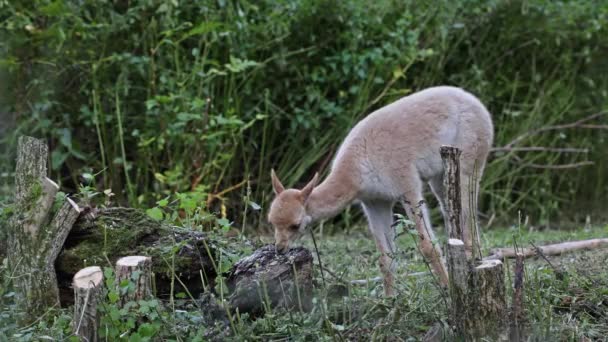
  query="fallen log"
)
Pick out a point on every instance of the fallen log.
point(266, 280)
point(554, 249)
point(102, 236)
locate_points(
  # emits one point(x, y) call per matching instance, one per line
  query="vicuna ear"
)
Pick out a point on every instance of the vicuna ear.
point(276, 183)
point(307, 190)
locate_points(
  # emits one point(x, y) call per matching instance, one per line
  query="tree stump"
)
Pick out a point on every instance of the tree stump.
point(458, 269)
point(134, 278)
point(267, 280)
point(478, 304)
point(33, 242)
point(487, 307)
point(87, 290)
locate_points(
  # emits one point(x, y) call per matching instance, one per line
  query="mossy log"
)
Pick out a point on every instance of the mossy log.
point(267, 279)
point(102, 236)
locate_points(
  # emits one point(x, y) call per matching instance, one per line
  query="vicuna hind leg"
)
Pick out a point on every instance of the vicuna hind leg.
point(380, 217)
point(415, 209)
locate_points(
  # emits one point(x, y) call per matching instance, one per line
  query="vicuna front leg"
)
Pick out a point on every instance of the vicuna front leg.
point(432, 253)
point(380, 217)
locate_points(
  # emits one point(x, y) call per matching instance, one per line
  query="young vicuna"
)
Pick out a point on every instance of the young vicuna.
point(386, 158)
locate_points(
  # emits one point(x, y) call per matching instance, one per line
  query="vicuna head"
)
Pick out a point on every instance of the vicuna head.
point(288, 213)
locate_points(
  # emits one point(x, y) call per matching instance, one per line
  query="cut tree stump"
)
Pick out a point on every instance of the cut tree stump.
point(487, 307)
point(267, 279)
point(33, 241)
point(134, 278)
point(477, 290)
point(87, 291)
point(458, 269)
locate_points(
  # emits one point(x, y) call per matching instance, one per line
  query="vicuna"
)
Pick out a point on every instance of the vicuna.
point(386, 158)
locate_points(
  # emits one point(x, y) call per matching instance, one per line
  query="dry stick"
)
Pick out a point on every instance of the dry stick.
point(518, 289)
point(521, 162)
point(540, 149)
point(554, 249)
point(509, 147)
point(318, 257)
point(575, 124)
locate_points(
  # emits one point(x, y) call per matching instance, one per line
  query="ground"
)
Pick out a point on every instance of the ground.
point(566, 299)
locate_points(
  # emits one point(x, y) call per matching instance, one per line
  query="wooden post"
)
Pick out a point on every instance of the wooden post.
point(451, 183)
point(33, 245)
point(138, 270)
point(87, 289)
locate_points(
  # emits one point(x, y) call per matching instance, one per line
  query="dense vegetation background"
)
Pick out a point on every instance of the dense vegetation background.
point(149, 97)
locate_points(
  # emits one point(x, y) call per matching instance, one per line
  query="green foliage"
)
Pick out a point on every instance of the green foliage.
point(163, 97)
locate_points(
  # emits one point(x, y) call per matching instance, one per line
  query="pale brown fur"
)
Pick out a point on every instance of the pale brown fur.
point(387, 157)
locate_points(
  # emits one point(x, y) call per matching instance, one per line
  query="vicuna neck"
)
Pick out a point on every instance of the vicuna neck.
point(330, 197)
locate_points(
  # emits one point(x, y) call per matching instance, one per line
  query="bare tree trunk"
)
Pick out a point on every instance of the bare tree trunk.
point(87, 290)
point(33, 242)
point(136, 269)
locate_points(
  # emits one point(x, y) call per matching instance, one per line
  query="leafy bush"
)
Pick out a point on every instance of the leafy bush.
point(206, 95)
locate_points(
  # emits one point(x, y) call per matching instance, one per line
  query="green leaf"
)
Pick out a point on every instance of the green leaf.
point(155, 213)
point(164, 202)
point(202, 28)
point(147, 330)
point(66, 138)
point(55, 8)
point(58, 157)
point(135, 337)
point(113, 297)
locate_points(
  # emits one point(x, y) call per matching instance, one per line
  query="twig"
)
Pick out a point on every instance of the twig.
point(314, 241)
point(552, 167)
point(539, 149)
point(575, 124)
point(559, 273)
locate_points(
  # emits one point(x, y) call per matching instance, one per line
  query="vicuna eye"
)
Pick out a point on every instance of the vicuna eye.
point(294, 227)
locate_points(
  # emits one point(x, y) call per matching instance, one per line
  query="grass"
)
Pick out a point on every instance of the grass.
point(564, 301)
